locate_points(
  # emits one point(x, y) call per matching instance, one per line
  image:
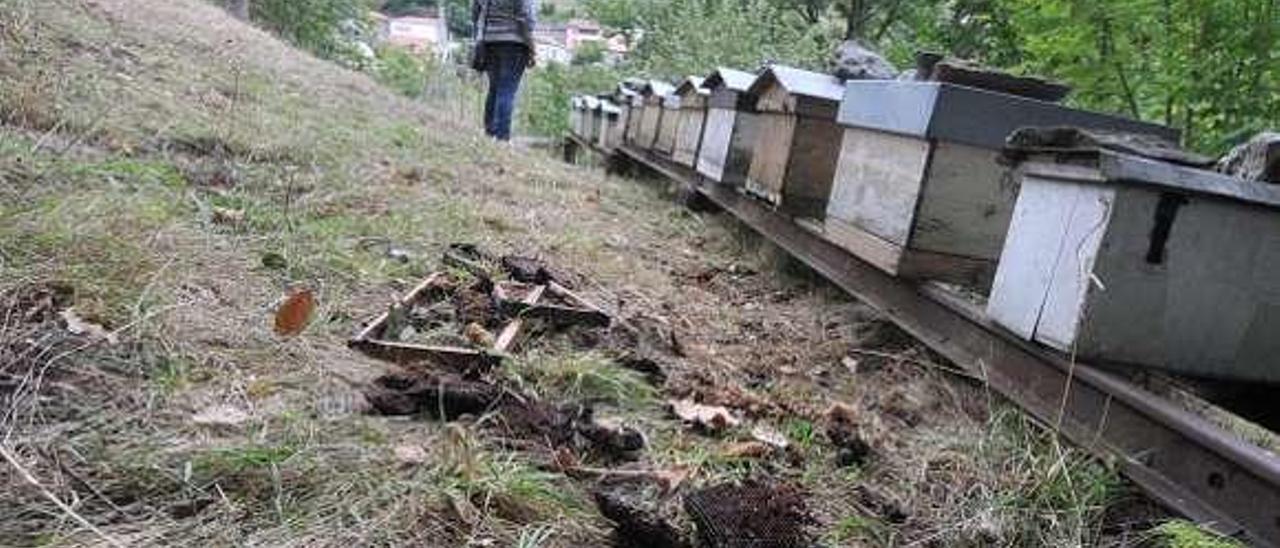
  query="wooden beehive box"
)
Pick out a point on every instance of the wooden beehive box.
point(798, 140)
point(665, 143)
point(635, 116)
point(575, 115)
point(918, 191)
point(693, 113)
point(730, 131)
point(651, 119)
point(608, 136)
point(590, 117)
point(1125, 259)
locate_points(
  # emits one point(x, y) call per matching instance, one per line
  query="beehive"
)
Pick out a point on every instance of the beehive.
point(609, 133)
point(575, 115)
point(590, 118)
point(693, 113)
point(798, 141)
point(665, 143)
point(730, 131)
point(1125, 259)
point(652, 96)
point(918, 191)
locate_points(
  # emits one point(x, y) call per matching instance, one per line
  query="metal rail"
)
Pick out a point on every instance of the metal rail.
point(1174, 456)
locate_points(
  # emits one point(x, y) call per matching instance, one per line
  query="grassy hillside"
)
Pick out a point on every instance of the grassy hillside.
point(168, 174)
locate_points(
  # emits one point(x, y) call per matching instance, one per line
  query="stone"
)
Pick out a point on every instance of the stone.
point(855, 61)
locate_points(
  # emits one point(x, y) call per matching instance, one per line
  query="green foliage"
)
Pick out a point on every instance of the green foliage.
point(1206, 67)
point(544, 108)
point(1184, 534)
point(402, 71)
point(589, 53)
point(684, 37)
point(325, 27)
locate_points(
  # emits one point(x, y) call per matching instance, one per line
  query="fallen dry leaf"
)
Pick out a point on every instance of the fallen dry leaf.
point(711, 417)
point(747, 449)
point(79, 326)
point(292, 316)
point(220, 415)
point(478, 335)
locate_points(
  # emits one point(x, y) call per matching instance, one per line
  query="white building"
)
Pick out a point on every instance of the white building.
point(425, 30)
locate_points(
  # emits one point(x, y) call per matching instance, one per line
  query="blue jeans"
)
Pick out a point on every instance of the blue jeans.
point(506, 64)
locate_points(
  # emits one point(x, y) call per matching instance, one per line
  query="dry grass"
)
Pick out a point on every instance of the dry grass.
point(128, 123)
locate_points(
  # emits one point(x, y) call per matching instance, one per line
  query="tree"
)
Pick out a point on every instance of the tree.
point(589, 53)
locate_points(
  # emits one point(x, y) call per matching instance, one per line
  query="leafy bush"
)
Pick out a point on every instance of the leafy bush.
point(402, 71)
point(589, 53)
point(328, 28)
point(544, 107)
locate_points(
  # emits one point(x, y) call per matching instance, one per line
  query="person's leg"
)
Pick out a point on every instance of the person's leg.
point(512, 60)
point(491, 98)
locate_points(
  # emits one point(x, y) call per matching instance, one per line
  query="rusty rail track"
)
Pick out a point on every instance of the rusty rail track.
point(1177, 458)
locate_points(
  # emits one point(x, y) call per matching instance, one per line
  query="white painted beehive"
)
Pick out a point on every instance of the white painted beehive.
point(1131, 260)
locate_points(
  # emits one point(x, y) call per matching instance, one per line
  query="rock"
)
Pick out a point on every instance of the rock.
point(228, 216)
point(410, 454)
point(80, 327)
point(220, 415)
point(1256, 160)
point(637, 523)
point(855, 61)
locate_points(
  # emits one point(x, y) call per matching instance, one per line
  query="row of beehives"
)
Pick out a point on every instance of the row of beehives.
point(1111, 254)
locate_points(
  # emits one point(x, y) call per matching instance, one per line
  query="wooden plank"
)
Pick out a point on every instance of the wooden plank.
point(965, 204)
point(715, 143)
point(456, 358)
point(1073, 275)
point(509, 332)
point(877, 183)
point(742, 145)
point(1039, 221)
point(769, 155)
point(374, 328)
point(689, 138)
point(880, 253)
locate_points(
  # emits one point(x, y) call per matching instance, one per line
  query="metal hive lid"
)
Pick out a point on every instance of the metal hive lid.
point(800, 82)
point(692, 84)
point(735, 80)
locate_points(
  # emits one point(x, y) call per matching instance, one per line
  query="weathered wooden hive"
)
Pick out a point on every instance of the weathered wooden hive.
point(622, 96)
point(575, 115)
point(665, 143)
point(609, 134)
point(635, 117)
point(918, 191)
point(653, 93)
point(1126, 259)
point(693, 113)
point(798, 140)
point(590, 118)
point(730, 132)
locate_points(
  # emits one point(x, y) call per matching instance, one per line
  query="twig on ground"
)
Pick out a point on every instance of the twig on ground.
point(26, 475)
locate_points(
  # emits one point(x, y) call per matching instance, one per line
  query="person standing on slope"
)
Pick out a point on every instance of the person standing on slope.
point(504, 48)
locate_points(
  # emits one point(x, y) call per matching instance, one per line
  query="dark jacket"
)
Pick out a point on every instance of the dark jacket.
point(506, 20)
